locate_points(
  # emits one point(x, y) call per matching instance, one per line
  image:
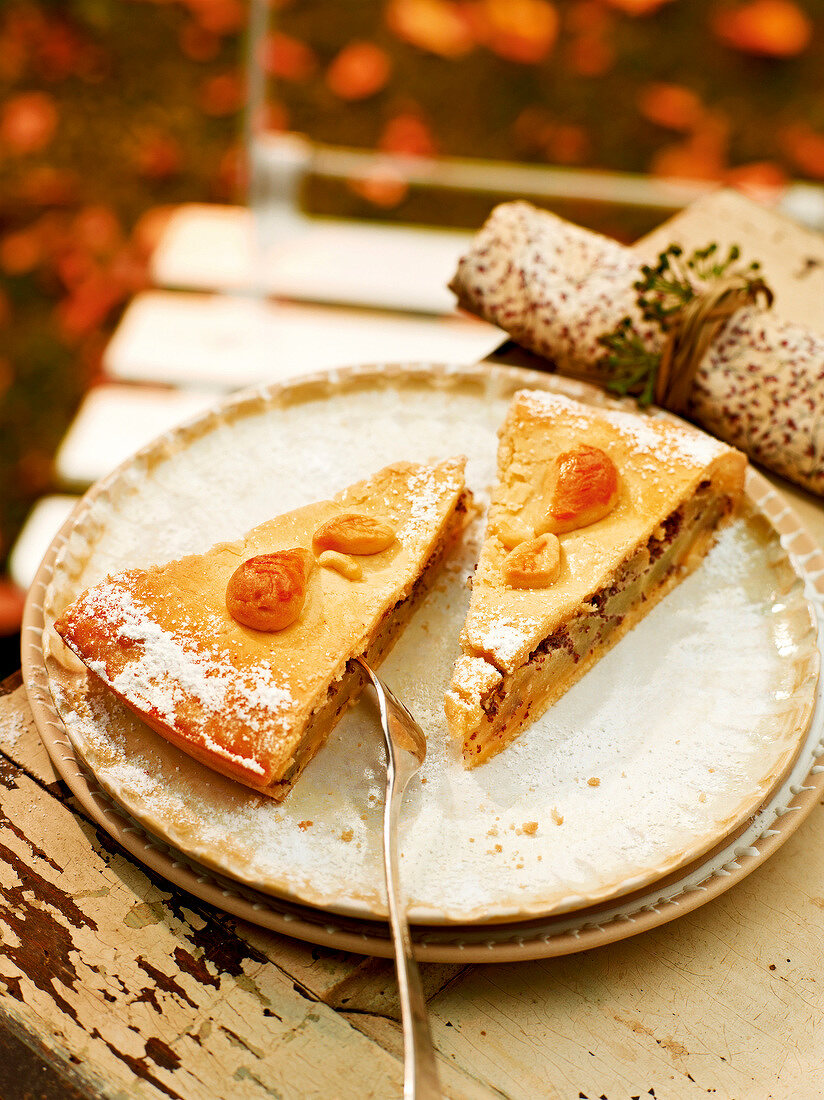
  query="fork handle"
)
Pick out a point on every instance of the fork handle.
point(420, 1078)
point(420, 1072)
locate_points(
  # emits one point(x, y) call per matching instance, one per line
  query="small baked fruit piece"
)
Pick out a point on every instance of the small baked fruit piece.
point(244, 656)
point(584, 489)
point(633, 503)
point(353, 533)
point(268, 591)
point(534, 563)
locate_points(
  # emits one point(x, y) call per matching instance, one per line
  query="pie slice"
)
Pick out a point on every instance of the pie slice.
point(254, 691)
point(596, 515)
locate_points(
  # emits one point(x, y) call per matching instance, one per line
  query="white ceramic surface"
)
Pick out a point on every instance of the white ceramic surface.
point(687, 724)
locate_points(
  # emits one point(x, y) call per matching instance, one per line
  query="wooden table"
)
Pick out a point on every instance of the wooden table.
point(115, 984)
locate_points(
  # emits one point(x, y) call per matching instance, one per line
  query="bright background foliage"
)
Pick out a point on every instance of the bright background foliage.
point(112, 110)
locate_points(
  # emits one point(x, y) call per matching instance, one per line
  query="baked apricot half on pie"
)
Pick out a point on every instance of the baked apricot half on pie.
point(632, 503)
point(244, 656)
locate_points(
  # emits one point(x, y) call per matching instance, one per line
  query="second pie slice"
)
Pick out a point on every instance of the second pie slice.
point(596, 515)
point(203, 649)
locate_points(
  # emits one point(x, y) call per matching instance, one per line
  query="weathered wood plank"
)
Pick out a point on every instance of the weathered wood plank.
point(182, 339)
point(343, 980)
point(19, 739)
point(136, 903)
point(726, 1000)
point(25, 1074)
point(372, 987)
point(148, 995)
point(456, 1082)
point(390, 267)
point(365, 985)
point(11, 683)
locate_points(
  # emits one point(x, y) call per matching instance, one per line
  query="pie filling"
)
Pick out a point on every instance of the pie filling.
point(674, 549)
point(344, 691)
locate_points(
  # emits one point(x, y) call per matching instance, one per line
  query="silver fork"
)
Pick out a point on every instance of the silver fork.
point(405, 752)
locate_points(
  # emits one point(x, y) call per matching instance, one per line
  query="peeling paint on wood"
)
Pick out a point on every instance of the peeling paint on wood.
point(117, 970)
point(131, 997)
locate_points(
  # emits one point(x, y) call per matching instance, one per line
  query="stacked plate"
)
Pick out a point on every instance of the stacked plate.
point(681, 761)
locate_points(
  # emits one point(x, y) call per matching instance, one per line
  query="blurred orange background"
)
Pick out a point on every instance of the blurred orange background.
point(112, 111)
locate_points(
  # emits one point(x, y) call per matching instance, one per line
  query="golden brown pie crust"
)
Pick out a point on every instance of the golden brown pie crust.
point(256, 705)
point(662, 466)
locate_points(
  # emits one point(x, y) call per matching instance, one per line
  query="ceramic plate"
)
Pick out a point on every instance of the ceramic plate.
point(686, 725)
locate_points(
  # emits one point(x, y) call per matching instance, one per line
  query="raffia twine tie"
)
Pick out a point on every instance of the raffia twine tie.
point(694, 329)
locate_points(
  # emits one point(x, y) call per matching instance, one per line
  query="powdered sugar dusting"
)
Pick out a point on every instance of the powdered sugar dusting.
point(167, 669)
point(14, 726)
point(474, 675)
point(668, 442)
point(506, 637)
point(664, 440)
point(426, 492)
point(546, 403)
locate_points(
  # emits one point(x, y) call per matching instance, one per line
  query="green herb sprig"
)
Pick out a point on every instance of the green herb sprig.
point(664, 290)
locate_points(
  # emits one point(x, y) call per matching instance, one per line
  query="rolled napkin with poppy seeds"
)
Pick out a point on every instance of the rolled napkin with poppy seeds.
point(691, 333)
